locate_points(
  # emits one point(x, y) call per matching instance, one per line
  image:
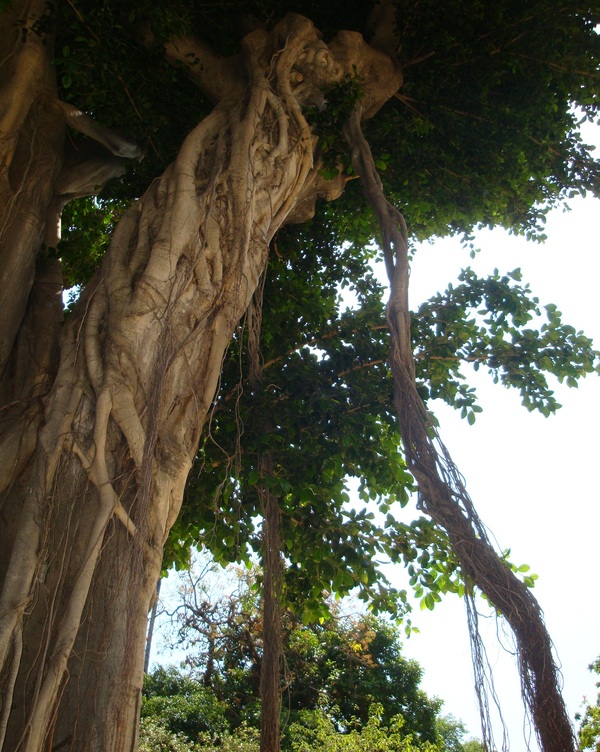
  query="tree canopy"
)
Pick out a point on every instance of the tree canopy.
point(484, 131)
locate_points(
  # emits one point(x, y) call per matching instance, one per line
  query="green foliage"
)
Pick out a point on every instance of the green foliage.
point(346, 665)
point(483, 133)
point(589, 730)
point(339, 666)
point(244, 739)
point(315, 730)
point(489, 322)
point(485, 122)
point(310, 729)
point(185, 708)
point(87, 228)
point(154, 737)
point(452, 733)
point(328, 123)
point(472, 745)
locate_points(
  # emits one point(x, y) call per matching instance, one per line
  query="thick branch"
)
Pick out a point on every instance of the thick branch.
point(379, 75)
point(114, 142)
point(382, 25)
point(216, 77)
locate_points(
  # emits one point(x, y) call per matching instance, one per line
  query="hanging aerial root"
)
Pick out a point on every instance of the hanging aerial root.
point(441, 489)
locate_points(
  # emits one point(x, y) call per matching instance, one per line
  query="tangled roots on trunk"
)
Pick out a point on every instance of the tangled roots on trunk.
point(443, 496)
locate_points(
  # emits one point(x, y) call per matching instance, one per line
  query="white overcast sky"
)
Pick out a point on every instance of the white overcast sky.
point(534, 480)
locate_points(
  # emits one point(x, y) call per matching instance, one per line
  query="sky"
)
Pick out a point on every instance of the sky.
point(533, 480)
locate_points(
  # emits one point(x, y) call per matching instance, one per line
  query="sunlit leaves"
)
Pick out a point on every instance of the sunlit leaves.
point(497, 323)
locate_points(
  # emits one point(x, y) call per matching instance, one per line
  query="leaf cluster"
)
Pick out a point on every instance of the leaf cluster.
point(484, 131)
point(497, 323)
point(316, 731)
point(185, 706)
point(328, 123)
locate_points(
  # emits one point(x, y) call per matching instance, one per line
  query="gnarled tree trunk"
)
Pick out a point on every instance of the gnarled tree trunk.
point(99, 427)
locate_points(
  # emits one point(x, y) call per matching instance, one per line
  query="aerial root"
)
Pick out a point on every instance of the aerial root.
point(442, 493)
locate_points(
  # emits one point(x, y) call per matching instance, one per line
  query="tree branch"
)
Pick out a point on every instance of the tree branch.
point(216, 77)
point(382, 25)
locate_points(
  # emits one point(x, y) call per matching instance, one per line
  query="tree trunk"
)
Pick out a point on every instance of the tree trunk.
point(98, 440)
point(150, 630)
point(272, 657)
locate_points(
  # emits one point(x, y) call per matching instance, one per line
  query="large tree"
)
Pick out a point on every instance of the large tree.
point(239, 110)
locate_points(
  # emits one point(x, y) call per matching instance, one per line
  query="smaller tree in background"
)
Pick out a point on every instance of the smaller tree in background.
point(589, 731)
point(344, 680)
point(452, 733)
point(183, 705)
point(348, 664)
